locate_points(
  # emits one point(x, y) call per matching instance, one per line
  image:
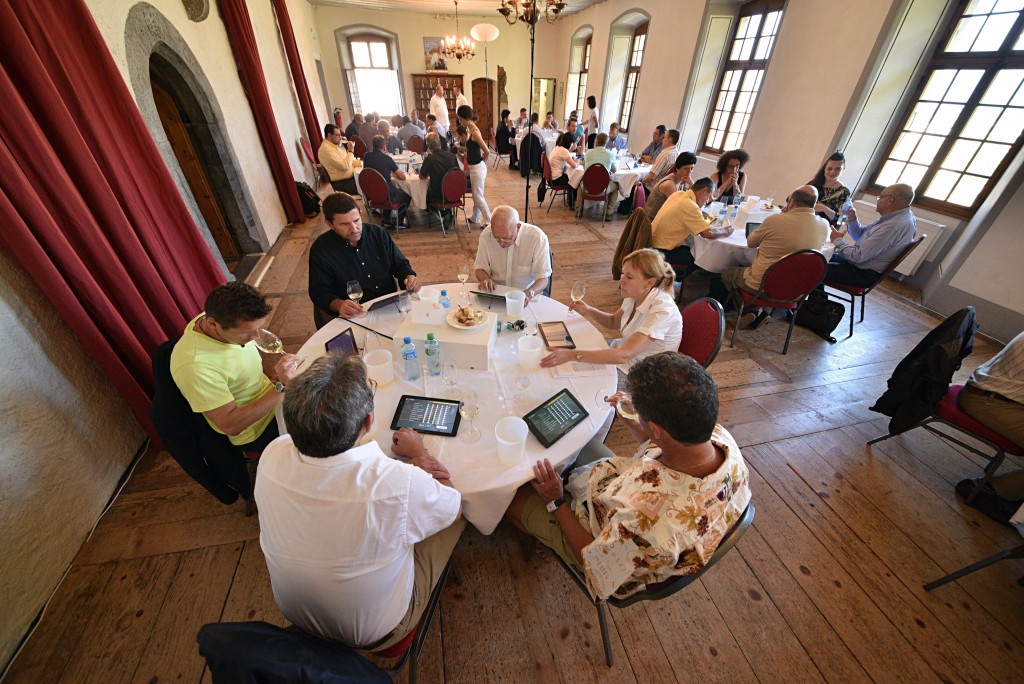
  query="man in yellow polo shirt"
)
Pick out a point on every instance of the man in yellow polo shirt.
point(680, 217)
point(220, 372)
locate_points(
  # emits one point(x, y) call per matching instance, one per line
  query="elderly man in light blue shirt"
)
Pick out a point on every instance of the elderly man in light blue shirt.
point(874, 246)
point(599, 154)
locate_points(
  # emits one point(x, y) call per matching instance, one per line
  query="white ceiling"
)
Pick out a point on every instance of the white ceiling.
point(486, 8)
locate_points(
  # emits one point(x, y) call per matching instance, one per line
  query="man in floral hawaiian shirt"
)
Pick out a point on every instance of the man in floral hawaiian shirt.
point(629, 521)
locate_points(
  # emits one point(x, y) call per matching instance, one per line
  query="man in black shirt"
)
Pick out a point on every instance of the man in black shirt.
point(352, 130)
point(436, 163)
point(383, 164)
point(353, 251)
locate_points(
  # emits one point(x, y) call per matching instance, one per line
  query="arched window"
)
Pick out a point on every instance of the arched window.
point(579, 66)
point(581, 91)
point(966, 120)
point(636, 59)
point(756, 28)
point(371, 75)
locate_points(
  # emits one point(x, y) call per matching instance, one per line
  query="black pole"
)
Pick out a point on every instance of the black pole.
point(529, 131)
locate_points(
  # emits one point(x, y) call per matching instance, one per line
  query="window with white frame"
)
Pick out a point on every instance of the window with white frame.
point(966, 120)
point(636, 59)
point(581, 91)
point(373, 79)
point(756, 28)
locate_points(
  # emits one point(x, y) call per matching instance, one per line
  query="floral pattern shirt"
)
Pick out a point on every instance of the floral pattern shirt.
point(651, 523)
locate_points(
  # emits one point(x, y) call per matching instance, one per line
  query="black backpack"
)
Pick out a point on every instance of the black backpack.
point(821, 315)
point(310, 200)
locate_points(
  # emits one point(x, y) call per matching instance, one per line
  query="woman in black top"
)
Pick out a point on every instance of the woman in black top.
point(729, 177)
point(832, 194)
point(476, 154)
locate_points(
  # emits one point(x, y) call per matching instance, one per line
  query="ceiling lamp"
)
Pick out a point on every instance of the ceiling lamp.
point(458, 47)
point(530, 11)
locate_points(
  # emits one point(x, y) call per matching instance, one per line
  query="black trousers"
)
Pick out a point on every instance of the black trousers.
point(681, 258)
point(347, 185)
point(845, 273)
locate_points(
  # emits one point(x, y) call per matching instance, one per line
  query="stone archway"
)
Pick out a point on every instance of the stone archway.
point(155, 48)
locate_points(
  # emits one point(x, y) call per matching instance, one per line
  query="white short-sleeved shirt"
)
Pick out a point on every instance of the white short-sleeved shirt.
point(518, 265)
point(559, 161)
point(338, 535)
point(657, 317)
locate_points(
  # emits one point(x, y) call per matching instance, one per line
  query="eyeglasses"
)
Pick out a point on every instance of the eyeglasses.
point(881, 197)
point(506, 240)
point(373, 386)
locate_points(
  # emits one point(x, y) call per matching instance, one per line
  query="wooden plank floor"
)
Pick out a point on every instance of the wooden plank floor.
point(826, 585)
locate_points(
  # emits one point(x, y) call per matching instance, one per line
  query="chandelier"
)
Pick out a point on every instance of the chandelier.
point(458, 47)
point(530, 11)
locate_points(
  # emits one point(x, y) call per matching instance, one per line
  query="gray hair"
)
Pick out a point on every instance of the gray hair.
point(326, 405)
point(505, 215)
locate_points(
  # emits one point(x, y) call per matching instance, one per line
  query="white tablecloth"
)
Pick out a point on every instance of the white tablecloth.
point(718, 255)
point(626, 178)
point(413, 185)
point(486, 485)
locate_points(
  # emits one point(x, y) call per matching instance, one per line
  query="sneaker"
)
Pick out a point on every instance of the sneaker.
point(751, 321)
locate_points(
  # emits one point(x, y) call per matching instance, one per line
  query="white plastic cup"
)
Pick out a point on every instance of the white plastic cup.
point(531, 349)
point(429, 294)
point(510, 433)
point(514, 300)
point(379, 367)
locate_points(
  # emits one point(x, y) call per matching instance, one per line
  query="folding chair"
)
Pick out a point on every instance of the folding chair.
point(415, 144)
point(595, 188)
point(378, 196)
point(555, 190)
point(453, 187)
point(661, 590)
point(1015, 552)
point(703, 330)
point(853, 291)
point(319, 172)
point(785, 285)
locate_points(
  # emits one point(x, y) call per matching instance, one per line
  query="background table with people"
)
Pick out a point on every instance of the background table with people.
point(486, 485)
point(626, 178)
point(550, 137)
point(413, 185)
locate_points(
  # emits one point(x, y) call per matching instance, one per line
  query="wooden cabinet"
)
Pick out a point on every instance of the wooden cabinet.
point(423, 86)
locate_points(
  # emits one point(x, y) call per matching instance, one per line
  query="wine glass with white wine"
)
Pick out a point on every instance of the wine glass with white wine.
point(463, 274)
point(355, 293)
point(579, 290)
point(269, 343)
point(469, 407)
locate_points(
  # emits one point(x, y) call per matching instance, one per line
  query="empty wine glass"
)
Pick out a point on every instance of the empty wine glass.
point(469, 408)
point(579, 290)
point(522, 384)
point(404, 303)
point(355, 293)
point(450, 374)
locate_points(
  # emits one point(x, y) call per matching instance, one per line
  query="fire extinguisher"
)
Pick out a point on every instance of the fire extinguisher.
point(337, 118)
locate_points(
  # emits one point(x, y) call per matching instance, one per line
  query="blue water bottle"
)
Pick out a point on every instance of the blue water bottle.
point(432, 350)
point(412, 364)
point(445, 300)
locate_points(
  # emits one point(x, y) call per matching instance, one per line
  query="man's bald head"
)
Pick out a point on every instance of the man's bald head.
point(902, 195)
point(805, 196)
point(504, 217)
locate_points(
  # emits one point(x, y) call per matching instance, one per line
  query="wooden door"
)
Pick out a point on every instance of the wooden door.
point(482, 87)
point(195, 174)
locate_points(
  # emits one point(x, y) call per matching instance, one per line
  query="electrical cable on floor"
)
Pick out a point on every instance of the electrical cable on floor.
point(139, 453)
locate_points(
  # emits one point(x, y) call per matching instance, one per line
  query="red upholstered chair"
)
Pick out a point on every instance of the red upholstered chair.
point(318, 169)
point(453, 187)
point(948, 412)
point(595, 188)
point(358, 148)
point(661, 590)
point(703, 330)
point(415, 144)
point(411, 645)
point(555, 190)
point(853, 291)
point(375, 188)
point(639, 196)
point(785, 285)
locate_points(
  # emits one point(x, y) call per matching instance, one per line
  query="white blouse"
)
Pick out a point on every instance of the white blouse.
point(657, 317)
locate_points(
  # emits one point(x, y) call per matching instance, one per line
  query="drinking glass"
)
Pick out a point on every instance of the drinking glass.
point(450, 374)
point(625, 407)
point(355, 293)
point(463, 274)
point(269, 343)
point(579, 290)
point(469, 407)
point(404, 303)
point(522, 384)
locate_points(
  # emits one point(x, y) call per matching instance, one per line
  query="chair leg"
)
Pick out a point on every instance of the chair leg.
point(738, 305)
point(602, 619)
point(853, 306)
point(862, 298)
point(250, 504)
point(792, 322)
point(469, 228)
point(1015, 552)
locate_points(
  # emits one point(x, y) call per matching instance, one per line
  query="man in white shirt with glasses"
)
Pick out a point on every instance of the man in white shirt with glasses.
point(514, 254)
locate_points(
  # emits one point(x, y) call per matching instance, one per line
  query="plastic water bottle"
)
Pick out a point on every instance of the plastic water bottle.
point(412, 364)
point(847, 205)
point(721, 217)
point(432, 350)
point(445, 301)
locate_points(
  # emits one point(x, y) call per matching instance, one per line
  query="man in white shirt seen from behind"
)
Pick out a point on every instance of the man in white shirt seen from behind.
point(354, 541)
point(439, 108)
point(460, 98)
point(514, 254)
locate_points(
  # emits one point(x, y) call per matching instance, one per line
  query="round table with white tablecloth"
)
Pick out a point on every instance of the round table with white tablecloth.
point(413, 185)
point(550, 138)
point(486, 486)
point(626, 178)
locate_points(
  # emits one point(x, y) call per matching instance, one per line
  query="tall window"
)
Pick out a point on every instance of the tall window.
point(967, 118)
point(581, 92)
point(373, 80)
point(636, 59)
point(756, 28)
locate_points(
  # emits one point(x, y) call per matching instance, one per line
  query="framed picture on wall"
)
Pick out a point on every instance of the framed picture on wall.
point(432, 57)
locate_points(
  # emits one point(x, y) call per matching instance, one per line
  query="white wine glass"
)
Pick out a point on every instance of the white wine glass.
point(355, 293)
point(463, 274)
point(624, 407)
point(269, 343)
point(469, 408)
point(579, 290)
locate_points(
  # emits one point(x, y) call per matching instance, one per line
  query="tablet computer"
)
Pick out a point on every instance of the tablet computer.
point(343, 343)
point(494, 296)
point(550, 421)
point(427, 415)
point(751, 227)
point(385, 301)
point(556, 335)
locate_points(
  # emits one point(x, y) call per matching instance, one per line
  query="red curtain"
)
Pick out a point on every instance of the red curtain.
point(250, 70)
point(87, 206)
point(284, 22)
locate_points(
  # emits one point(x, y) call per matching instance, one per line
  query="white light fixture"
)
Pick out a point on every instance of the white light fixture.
point(458, 47)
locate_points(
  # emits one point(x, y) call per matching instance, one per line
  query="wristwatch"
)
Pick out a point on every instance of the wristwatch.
point(579, 356)
point(530, 293)
point(279, 386)
point(553, 505)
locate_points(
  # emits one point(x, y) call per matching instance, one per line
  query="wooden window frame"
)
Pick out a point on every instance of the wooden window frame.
point(581, 90)
point(633, 74)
